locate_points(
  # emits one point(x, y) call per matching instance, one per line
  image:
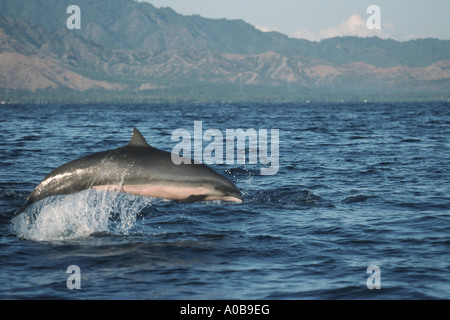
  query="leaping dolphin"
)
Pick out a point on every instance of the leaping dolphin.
point(139, 169)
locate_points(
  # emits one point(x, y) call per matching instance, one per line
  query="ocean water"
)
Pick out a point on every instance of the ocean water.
point(358, 185)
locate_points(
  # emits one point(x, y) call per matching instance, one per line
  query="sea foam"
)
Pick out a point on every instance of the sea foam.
point(80, 215)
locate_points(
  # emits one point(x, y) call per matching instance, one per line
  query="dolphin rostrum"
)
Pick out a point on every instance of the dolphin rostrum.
point(139, 169)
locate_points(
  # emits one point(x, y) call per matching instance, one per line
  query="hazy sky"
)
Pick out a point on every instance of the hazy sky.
point(318, 19)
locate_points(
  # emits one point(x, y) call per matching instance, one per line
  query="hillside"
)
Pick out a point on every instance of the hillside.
point(136, 50)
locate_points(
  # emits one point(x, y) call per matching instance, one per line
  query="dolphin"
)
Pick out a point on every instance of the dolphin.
point(139, 169)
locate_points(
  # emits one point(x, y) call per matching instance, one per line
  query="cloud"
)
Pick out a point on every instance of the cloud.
point(305, 34)
point(353, 26)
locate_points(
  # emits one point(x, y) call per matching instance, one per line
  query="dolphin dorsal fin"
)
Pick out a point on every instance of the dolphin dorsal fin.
point(137, 140)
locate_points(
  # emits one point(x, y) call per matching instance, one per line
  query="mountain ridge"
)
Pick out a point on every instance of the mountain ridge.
point(158, 52)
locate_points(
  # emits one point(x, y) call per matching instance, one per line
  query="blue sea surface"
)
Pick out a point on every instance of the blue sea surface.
point(358, 185)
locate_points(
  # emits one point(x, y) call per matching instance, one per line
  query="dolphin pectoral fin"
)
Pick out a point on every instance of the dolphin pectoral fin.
point(205, 197)
point(193, 198)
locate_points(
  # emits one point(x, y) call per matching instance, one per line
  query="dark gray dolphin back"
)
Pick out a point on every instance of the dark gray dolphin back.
point(137, 163)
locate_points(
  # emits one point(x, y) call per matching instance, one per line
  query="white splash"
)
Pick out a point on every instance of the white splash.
point(80, 215)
